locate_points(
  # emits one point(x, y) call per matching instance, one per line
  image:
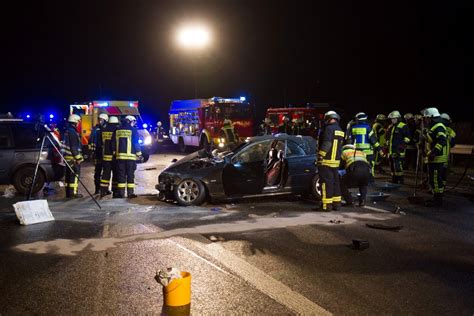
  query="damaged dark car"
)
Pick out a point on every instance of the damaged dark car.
point(261, 166)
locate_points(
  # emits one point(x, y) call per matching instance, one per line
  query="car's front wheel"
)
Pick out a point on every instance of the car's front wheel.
point(316, 187)
point(23, 178)
point(190, 192)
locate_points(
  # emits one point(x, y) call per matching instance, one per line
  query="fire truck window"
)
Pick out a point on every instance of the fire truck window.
point(274, 119)
point(207, 113)
point(233, 111)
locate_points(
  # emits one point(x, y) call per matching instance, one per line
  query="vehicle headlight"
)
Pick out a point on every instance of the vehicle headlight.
point(165, 136)
point(221, 145)
point(148, 140)
point(140, 141)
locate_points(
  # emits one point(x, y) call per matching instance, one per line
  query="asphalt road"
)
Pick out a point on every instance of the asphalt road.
point(265, 256)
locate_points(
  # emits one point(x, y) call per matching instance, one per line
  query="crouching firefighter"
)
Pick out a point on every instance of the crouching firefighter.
point(127, 151)
point(329, 155)
point(108, 159)
point(72, 152)
point(95, 146)
point(437, 154)
point(357, 173)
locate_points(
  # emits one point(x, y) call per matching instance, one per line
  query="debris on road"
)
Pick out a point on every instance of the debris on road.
point(359, 244)
point(230, 206)
point(33, 212)
point(215, 209)
point(336, 221)
point(384, 227)
point(152, 168)
point(9, 192)
point(165, 276)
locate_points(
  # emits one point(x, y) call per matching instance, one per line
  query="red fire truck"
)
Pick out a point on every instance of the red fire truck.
point(311, 113)
point(197, 122)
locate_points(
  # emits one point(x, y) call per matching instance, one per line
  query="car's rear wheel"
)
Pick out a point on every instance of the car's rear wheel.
point(190, 192)
point(23, 178)
point(316, 188)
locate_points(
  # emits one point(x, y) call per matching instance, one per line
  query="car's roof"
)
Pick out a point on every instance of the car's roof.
point(280, 136)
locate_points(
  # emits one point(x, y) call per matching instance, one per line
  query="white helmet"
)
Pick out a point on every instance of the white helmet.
point(227, 122)
point(74, 118)
point(431, 112)
point(445, 116)
point(331, 115)
point(267, 120)
point(394, 114)
point(158, 123)
point(408, 116)
point(130, 118)
point(103, 116)
point(113, 120)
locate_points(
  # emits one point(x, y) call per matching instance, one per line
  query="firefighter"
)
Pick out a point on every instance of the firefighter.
point(159, 132)
point(349, 127)
point(298, 127)
point(108, 159)
point(364, 138)
point(265, 128)
point(229, 134)
point(96, 150)
point(451, 140)
point(437, 154)
point(285, 127)
point(330, 143)
point(397, 140)
point(379, 128)
point(357, 173)
point(127, 151)
point(410, 160)
point(72, 152)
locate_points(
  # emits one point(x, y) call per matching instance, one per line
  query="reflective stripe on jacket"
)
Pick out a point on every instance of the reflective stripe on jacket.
point(106, 141)
point(330, 144)
point(397, 135)
point(71, 144)
point(349, 156)
point(364, 138)
point(125, 143)
point(437, 143)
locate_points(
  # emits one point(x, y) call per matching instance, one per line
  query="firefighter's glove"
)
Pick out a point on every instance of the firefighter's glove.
point(382, 153)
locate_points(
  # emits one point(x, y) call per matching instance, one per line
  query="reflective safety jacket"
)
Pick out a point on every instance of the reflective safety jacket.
point(398, 136)
point(349, 156)
point(105, 141)
point(451, 134)
point(330, 144)
point(379, 131)
point(71, 144)
point(125, 143)
point(437, 144)
point(363, 137)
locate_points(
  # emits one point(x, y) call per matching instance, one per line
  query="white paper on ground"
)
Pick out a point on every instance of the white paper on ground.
point(33, 212)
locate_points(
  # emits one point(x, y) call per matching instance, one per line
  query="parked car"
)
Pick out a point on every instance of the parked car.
point(20, 144)
point(261, 166)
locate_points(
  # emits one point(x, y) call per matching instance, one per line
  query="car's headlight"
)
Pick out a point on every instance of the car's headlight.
point(148, 140)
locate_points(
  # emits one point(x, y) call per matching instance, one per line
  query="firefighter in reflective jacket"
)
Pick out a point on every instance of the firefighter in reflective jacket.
point(127, 151)
point(437, 154)
point(72, 152)
point(357, 173)
point(95, 147)
point(398, 136)
point(330, 143)
point(364, 138)
point(379, 129)
point(451, 140)
point(108, 159)
point(228, 136)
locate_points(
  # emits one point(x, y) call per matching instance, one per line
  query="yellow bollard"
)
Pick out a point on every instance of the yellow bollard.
point(178, 292)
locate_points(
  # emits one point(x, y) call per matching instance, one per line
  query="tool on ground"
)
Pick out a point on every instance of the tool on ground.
point(46, 136)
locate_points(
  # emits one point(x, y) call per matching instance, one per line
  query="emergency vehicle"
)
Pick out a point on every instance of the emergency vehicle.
point(89, 113)
point(311, 114)
point(197, 122)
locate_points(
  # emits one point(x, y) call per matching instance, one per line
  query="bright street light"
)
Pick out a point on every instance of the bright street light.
point(194, 36)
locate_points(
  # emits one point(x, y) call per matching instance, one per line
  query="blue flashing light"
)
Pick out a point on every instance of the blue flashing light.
point(145, 125)
point(103, 104)
point(243, 99)
point(28, 116)
point(130, 104)
point(51, 116)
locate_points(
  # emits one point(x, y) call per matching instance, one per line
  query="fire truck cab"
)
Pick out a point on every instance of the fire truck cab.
point(197, 122)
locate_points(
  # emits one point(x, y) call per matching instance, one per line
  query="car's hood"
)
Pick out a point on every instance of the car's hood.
point(199, 159)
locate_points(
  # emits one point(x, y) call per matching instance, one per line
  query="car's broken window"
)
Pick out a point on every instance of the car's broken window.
point(254, 152)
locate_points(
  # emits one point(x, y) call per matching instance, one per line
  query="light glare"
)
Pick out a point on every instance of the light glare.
point(194, 36)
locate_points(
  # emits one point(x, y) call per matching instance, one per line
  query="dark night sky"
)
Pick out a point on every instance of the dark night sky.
point(360, 55)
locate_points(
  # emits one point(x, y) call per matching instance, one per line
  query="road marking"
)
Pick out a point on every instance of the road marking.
point(376, 209)
point(197, 256)
point(262, 281)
